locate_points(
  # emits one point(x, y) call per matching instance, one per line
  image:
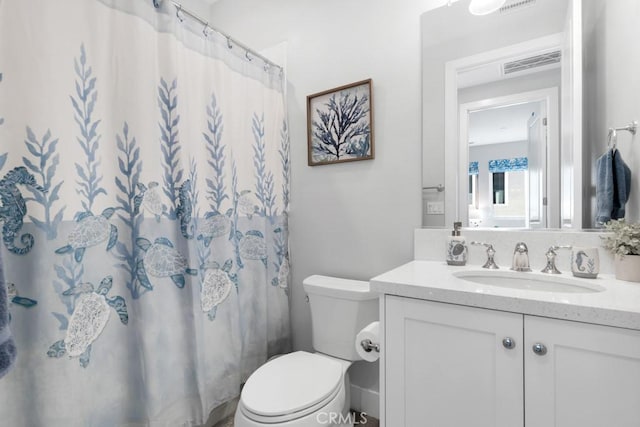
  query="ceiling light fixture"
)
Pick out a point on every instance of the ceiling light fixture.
point(485, 7)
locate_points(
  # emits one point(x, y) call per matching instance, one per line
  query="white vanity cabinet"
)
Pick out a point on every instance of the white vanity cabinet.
point(589, 376)
point(448, 365)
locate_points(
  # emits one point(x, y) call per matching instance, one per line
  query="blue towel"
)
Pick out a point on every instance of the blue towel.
point(613, 184)
point(7, 345)
point(622, 185)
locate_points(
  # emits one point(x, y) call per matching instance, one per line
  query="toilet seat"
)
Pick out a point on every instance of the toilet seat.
point(291, 387)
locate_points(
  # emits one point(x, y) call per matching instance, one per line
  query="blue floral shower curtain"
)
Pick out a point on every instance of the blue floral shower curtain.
point(144, 172)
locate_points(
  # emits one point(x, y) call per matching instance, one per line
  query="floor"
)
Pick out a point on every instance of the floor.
point(371, 422)
point(227, 422)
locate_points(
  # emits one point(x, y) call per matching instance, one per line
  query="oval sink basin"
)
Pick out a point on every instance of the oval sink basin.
point(529, 281)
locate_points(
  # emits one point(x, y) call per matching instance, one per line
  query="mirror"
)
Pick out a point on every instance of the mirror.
point(502, 112)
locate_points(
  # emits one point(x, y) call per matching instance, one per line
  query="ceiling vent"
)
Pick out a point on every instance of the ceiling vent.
point(531, 62)
point(516, 5)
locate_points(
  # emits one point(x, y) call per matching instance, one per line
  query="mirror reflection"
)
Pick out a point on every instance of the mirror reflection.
point(506, 160)
point(512, 145)
point(503, 102)
point(492, 70)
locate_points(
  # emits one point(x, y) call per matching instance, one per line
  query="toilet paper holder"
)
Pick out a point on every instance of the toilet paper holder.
point(369, 345)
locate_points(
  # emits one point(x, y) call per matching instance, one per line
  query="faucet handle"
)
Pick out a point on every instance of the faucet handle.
point(551, 259)
point(521, 247)
point(491, 264)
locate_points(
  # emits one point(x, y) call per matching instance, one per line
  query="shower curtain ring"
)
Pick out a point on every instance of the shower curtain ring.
point(178, 10)
point(204, 30)
point(246, 55)
point(229, 45)
point(156, 3)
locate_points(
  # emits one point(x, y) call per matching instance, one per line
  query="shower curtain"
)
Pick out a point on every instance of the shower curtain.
point(144, 172)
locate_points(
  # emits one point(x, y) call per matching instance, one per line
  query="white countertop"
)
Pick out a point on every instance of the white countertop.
point(618, 305)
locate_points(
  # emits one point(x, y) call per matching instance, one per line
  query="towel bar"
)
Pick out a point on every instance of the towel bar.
point(438, 187)
point(613, 133)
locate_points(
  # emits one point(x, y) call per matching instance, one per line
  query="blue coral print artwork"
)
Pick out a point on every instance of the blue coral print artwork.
point(340, 124)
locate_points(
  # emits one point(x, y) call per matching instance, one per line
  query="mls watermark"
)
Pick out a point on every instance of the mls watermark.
point(340, 419)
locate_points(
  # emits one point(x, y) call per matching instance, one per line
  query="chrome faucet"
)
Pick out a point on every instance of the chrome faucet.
point(520, 258)
point(490, 253)
point(551, 259)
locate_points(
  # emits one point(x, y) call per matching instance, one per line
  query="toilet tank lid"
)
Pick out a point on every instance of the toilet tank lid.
point(339, 288)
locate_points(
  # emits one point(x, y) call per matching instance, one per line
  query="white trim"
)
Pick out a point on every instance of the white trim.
point(572, 83)
point(576, 100)
point(382, 370)
point(365, 400)
point(452, 147)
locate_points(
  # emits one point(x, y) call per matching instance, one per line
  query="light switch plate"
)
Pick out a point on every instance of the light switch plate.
point(435, 208)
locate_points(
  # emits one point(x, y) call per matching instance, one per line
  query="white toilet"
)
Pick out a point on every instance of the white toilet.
point(303, 389)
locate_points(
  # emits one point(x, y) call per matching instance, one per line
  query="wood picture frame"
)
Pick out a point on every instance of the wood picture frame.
point(340, 124)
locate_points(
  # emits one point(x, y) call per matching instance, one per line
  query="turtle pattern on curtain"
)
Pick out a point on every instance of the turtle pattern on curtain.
point(144, 190)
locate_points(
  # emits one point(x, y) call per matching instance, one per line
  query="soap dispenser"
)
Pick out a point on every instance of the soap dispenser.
point(456, 247)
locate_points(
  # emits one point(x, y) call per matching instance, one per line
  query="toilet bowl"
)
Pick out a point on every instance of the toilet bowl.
point(298, 389)
point(303, 389)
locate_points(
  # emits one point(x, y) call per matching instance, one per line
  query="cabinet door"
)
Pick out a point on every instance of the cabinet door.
point(446, 365)
point(589, 376)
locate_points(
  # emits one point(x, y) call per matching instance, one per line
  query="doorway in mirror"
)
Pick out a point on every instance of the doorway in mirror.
point(511, 146)
point(507, 151)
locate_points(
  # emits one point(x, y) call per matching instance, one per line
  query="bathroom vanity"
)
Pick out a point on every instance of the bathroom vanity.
point(466, 346)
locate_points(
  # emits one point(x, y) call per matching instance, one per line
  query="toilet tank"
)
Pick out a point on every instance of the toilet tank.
point(340, 308)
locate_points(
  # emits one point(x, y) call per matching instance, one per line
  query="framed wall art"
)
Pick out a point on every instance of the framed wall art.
point(340, 124)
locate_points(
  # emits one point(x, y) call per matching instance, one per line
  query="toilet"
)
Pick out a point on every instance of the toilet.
point(303, 389)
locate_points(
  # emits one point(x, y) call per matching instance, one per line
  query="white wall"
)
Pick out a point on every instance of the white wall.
point(353, 220)
point(528, 83)
point(611, 90)
point(199, 7)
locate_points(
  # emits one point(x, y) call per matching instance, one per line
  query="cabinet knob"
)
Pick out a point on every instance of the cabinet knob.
point(509, 343)
point(539, 349)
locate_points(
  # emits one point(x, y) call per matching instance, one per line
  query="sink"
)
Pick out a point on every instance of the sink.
point(529, 281)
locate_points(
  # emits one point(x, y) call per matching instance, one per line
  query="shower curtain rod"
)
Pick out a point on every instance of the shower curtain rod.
point(230, 41)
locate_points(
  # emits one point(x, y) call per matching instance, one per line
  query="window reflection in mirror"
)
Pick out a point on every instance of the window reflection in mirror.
point(473, 185)
point(498, 187)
